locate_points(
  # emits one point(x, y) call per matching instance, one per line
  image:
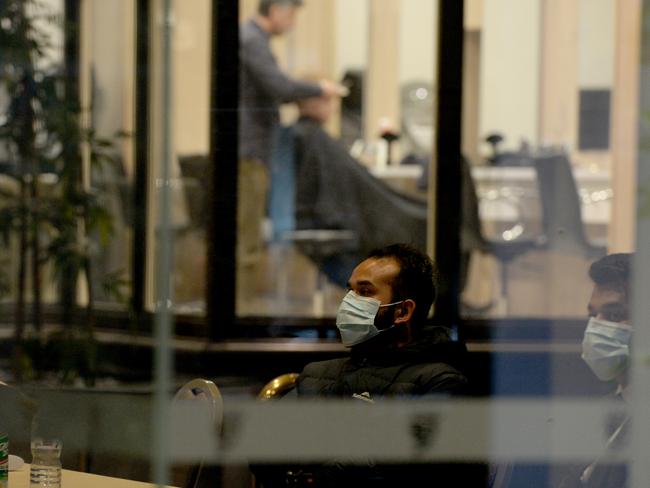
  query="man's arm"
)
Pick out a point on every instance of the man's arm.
point(259, 62)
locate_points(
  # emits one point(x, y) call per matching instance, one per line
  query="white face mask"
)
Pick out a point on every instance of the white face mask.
point(605, 347)
point(355, 318)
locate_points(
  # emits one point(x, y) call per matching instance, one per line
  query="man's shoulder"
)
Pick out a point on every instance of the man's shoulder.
point(321, 378)
point(435, 377)
point(433, 369)
point(250, 33)
point(320, 369)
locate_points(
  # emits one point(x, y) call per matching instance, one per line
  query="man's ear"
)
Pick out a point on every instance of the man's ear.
point(404, 312)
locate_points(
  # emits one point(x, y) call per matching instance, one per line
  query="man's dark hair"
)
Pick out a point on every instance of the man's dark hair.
point(265, 5)
point(612, 272)
point(417, 277)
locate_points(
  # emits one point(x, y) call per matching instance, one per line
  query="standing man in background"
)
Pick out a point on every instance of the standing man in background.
point(263, 88)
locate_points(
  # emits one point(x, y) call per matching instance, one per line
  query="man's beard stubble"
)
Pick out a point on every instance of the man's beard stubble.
point(385, 318)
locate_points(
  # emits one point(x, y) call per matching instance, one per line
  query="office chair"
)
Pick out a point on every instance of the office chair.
point(563, 229)
point(520, 157)
point(194, 168)
point(278, 387)
point(473, 238)
point(561, 212)
point(275, 389)
point(499, 475)
point(206, 392)
point(319, 244)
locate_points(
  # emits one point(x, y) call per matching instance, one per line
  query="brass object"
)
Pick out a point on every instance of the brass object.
point(277, 387)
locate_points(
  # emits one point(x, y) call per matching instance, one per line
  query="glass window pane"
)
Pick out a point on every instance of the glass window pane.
point(191, 54)
point(537, 136)
point(107, 85)
point(321, 183)
point(552, 159)
point(28, 273)
point(68, 70)
point(549, 128)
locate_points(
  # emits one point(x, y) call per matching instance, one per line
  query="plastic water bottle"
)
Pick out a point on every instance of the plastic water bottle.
point(4, 460)
point(45, 471)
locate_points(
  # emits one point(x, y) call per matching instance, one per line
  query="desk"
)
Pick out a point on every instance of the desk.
point(76, 479)
point(403, 178)
point(412, 171)
point(505, 192)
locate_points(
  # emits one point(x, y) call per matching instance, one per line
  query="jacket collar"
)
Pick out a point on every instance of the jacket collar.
point(432, 345)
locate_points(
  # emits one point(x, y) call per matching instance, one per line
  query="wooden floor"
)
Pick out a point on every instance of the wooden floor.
point(285, 283)
point(539, 284)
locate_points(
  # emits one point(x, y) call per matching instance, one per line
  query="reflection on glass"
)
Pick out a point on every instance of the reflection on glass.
point(541, 219)
point(65, 188)
point(191, 51)
point(107, 87)
point(56, 220)
point(345, 175)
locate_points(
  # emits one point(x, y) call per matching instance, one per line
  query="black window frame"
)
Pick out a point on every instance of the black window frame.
point(220, 322)
point(229, 339)
point(221, 310)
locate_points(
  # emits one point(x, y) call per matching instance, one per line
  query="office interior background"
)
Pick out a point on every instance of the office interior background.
point(477, 106)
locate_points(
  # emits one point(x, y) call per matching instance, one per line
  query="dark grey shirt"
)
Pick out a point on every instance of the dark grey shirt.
point(263, 87)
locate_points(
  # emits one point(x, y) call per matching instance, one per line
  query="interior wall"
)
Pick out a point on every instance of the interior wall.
point(558, 94)
point(473, 15)
point(311, 42)
point(247, 8)
point(418, 38)
point(107, 39)
point(351, 26)
point(191, 79)
point(624, 127)
point(596, 41)
point(596, 45)
point(471, 101)
point(510, 70)
point(473, 24)
point(330, 38)
point(382, 104)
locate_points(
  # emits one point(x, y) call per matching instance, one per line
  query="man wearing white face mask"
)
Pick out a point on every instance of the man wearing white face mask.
point(606, 350)
point(605, 347)
point(382, 319)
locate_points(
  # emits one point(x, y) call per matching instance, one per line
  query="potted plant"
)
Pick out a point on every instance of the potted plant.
point(52, 212)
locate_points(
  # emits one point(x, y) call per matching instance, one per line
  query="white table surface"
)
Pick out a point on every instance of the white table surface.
point(597, 213)
point(76, 479)
point(512, 173)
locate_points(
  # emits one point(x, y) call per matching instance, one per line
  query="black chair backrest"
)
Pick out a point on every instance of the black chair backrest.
point(561, 210)
point(471, 231)
point(194, 171)
point(278, 387)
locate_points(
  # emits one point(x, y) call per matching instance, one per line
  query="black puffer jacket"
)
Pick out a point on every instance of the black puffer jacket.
point(431, 364)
